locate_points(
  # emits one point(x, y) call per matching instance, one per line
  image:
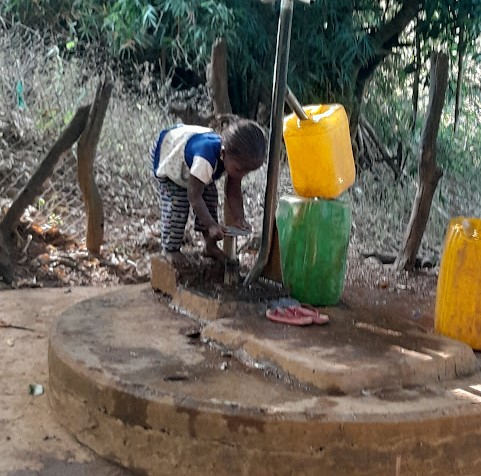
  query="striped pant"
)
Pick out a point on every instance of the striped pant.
point(175, 211)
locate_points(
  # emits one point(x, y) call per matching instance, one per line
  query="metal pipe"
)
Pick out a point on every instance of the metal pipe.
point(279, 89)
point(295, 105)
point(231, 268)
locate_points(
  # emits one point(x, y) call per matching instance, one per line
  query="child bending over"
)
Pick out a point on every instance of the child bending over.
point(187, 160)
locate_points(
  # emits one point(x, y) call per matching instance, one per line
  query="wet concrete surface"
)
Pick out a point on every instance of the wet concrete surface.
point(134, 380)
point(363, 347)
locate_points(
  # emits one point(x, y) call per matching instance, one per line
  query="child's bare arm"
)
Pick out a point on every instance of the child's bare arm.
point(236, 202)
point(194, 193)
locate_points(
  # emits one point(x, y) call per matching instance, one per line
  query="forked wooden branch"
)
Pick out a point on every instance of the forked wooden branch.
point(34, 186)
point(87, 147)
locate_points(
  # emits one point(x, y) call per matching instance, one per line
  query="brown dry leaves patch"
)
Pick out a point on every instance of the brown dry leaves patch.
point(45, 257)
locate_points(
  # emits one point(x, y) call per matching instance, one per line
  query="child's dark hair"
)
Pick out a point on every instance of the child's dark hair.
point(242, 138)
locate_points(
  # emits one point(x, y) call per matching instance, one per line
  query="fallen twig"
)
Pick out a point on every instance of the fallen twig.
point(6, 325)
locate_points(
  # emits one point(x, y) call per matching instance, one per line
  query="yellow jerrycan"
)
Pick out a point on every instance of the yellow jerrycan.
point(458, 294)
point(319, 151)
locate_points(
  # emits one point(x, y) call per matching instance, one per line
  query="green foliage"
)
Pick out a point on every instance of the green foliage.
point(329, 39)
point(186, 28)
point(389, 109)
point(251, 50)
point(459, 153)
point(449, 25)
point(332, 40)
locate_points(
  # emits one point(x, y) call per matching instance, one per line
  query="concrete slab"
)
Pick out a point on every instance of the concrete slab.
point(199, 291)
point(204, 308)
point(360, 349)
point(131, 379)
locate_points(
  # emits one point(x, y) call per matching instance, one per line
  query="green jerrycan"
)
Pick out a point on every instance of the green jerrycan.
point(313, 240)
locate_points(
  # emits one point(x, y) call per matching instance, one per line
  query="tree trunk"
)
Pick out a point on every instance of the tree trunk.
point(459, 79)
point(163, 64)
point(6, 268)
point(218, 78)
point(87, 147)
point(33, 188)
point(429, 172)
point(417, 76)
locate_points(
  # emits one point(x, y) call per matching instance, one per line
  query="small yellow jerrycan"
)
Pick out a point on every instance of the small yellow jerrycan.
point(458, 295)
point(319, 151)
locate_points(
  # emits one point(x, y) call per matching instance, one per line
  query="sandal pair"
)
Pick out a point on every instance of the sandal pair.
point(301, 315)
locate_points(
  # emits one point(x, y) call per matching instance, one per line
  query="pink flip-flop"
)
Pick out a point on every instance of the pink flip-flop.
point(288, 316)
point(302, 315)
point(317, 318)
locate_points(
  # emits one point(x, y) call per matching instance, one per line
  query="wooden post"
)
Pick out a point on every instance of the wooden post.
point(220, 95)
point(87, 147)
point(429, 172)
point(218, 78)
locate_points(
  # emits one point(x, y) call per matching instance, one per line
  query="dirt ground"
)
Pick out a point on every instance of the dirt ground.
point(33, 441)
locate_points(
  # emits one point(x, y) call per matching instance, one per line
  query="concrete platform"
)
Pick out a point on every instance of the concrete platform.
point(136, 382)
point(359, 350)
point(199, 291)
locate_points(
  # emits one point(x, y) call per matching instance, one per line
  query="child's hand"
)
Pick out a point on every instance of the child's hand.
point(216, 232)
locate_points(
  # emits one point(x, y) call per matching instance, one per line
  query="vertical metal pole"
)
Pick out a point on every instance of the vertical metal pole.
point(279, 89)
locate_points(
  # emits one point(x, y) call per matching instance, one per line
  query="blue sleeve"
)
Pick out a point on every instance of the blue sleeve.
point(207, 146)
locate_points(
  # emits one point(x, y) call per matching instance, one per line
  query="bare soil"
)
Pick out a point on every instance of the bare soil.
point(32, 440)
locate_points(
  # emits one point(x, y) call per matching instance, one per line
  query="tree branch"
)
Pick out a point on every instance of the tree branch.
point(381, 148)
point(387, 35)
point(87, 147)
point(34, 186)
point(384, 39)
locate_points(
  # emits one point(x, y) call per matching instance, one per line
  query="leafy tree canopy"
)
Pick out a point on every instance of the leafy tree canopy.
point(335, 46)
